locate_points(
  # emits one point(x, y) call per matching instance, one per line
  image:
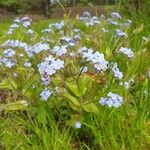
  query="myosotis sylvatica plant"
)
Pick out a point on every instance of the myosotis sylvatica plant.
point(78, 75)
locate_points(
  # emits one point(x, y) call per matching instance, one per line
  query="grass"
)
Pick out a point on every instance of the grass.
point(49, 125)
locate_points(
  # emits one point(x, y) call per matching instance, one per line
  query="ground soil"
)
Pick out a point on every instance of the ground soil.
point(57, 13)
point(74, 11)
point(5, 15)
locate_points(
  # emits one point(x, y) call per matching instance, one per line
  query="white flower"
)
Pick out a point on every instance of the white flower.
point(9, 53)
point(10, 31)
point(84, 69)
point(27, 64)
point(26, 18)
point(17, 44)
point(85, 16)
point(116, 72)
point(103, 16)
point(47, 30)
point(48, 68)
point(17, 20)
point(45, 79)
point(30, 31)
point(120, 33)
point(96, 58)
point(113, 100)
point(10, 63)
point(127, 51)
point(82, 49)
point(88, 55)
point(78, 125)
point(101, 66)
point(110, 21)
point(7, 58)
point(127, 84)
point(59, 50)
point(76, 30)
point(26, 24)
point(115, 15)
point(45, 94)
point(99, 61)
point(37, 48)
point(15, 25)
point(103, 101)
point(58, 64)
point(57, 89)
point(67, 40)
point(59, 25)
point(72, 54)
point(77, 37)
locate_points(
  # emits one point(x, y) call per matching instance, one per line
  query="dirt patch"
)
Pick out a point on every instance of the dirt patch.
point(5, 15)
point(58, 13)
point(74, 11)
point(34, 17)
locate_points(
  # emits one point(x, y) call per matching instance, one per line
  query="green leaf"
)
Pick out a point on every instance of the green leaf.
point(8, 84)
point(14, 106)
point(85, 83)
point(42, 114)
point(108, 52)
point(73, 102)
point(91, 108)
point(138, 29)
point(73, 88)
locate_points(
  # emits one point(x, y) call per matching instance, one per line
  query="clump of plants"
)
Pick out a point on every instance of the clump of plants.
point(84, 77)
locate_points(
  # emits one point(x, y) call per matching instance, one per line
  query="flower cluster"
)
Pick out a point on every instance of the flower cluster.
point(127, 84)
point(45, 94)
point(88, 20)
point(52, 26)
point(19, 44)
point(59, 25)
point(59, 50)
point(113, 100)
point(49, 67)
point(110, 21)
point(97, 59)
point(126, 51)
point(25, 21)
point(120, 33)
point(118, 74)
point(69, 41)
point(30, 50)
point(7, 58)
point(60, 40)
point(38, 47)
point(115, 15)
